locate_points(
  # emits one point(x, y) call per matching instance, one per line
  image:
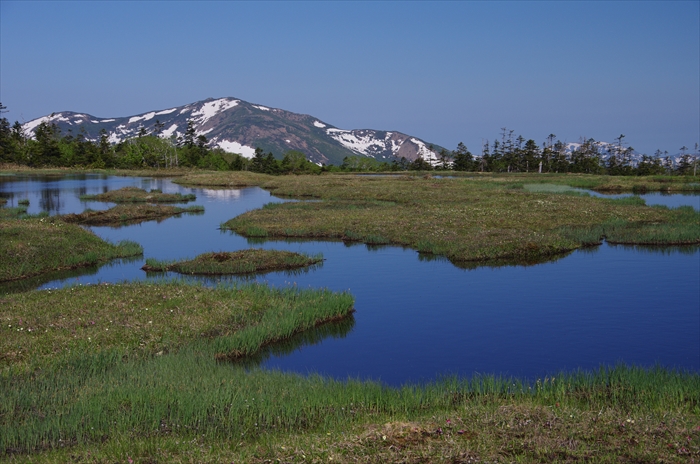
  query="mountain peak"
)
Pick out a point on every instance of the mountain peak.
point(237, 126)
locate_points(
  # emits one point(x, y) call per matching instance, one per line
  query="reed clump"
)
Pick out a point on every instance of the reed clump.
point(137, 195)
point(254, 260)
point(128, 214)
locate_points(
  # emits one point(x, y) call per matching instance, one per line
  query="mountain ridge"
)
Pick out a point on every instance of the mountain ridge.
point(237, 126)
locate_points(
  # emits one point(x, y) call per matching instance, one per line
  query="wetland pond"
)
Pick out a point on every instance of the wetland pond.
point(418, 318)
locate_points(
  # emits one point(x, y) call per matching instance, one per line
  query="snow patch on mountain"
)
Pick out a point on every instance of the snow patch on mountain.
point(167, 133)
point(358, 142)
point(395, 146)
point(235, 147)
point(263, 108)
point(424, 151)
point(31, 125)
point(319, 124)
point(144, 117)
point(166, 111)
point(212, 108)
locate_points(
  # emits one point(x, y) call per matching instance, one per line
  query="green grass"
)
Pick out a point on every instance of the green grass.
point(18, 212)
point(467, 220)
point(602, 183)
point(236, 262)
point(108, 373)
point(128, 214)
point(232, 179)
point(143, 319)
point(137, 195)
point(36, 246)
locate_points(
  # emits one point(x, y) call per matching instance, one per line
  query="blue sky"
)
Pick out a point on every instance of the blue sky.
point(442, 71)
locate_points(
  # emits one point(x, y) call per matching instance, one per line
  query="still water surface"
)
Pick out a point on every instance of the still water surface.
point(418, 319)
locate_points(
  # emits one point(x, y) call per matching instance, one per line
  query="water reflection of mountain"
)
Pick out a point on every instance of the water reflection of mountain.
point(223, 194)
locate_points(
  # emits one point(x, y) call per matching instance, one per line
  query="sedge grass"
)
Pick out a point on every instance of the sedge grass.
point(254, 260)
point(128, 214)
point(36, 246)
point(103, 405)
point(137, 195)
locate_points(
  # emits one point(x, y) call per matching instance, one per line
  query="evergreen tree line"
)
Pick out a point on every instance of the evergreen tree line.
point(149, 150)
point(515, 154)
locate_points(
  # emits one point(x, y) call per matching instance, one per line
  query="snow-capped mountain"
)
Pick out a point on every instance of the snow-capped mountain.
point(237, 126)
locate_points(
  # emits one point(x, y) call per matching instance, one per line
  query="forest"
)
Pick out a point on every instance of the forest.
point(51, 148)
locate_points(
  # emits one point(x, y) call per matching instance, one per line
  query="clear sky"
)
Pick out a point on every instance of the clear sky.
point(442, 71)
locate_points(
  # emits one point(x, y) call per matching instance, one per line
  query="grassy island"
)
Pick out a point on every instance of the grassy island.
point(236, 262)
point(137, 195)
point(128, 214)
point(35, 246)
point(466, 220)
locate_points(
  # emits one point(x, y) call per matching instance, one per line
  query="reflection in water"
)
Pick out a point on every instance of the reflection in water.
point(215, 280)
point(663, 250)
point(55, 277)
point(51, 200)
point(314, 336)
point(493, 263)
point(220, 194)
point(60, 278)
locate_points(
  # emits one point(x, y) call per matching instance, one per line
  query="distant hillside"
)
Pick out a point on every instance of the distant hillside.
point(239, 127)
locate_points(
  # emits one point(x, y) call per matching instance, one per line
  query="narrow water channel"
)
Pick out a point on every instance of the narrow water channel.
point(419, 319)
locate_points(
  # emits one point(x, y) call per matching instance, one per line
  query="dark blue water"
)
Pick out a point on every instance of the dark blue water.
point(419, 319)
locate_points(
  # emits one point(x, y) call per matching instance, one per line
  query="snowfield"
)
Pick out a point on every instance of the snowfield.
point(235, 147)
point(212, 108)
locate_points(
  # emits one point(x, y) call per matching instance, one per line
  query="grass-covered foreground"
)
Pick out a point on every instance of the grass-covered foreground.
point(249, 261)
point(137, 195)
point(30, 247)
point(113, 373)
point(473, 219)
point(121, 215)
